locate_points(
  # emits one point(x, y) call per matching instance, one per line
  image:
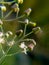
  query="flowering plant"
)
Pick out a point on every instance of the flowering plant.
point(20, 39)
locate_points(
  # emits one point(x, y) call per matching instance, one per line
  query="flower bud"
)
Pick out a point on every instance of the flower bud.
point(10, 33)
point(32, 24)
point(15, 7)
point(3, 8)
point(20, 1)
point(26, 21)
point(19, 32)
point(28, 11)
point(37, 29)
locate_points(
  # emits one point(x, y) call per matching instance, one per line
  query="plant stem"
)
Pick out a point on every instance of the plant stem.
point(6, 2)
point(15, 18)
point(8, 14)
point(25, 29)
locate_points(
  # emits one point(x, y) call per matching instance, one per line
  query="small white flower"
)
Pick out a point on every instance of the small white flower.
point(1, 34)
point(2, 40)
point(11, 43)
point(25, 51)
point(23, 45)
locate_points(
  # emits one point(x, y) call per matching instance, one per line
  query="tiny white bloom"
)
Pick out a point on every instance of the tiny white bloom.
point(2, 40)
point(1, 34)
point(23, 45)
point(24, 51)
point(11, 43)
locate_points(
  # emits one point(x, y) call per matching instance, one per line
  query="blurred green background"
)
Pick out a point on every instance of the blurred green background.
point(40, 15)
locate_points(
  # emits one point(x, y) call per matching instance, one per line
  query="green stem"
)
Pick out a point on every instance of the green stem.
point(15, 18)
point(25, 29)
point(8, 14)
point(6, 2)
